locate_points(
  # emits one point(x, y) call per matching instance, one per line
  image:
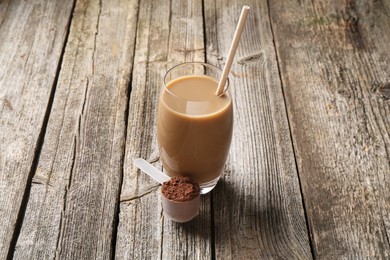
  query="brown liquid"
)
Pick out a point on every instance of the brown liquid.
point(194, 128)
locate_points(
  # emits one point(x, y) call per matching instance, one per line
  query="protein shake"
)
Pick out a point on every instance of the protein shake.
point(194, 128)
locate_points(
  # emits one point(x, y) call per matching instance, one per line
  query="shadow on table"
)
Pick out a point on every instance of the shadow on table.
point(245, 218)
point(200, 227)
point(254, 219)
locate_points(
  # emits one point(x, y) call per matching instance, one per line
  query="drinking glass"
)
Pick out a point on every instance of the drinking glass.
point(194, 126)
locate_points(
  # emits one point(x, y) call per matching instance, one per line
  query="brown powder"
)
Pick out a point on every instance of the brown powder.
point(180, 189)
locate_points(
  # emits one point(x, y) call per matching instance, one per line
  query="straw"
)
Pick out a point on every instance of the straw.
point(233, 47)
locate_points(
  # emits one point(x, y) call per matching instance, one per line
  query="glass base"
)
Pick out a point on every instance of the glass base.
point(208, 186)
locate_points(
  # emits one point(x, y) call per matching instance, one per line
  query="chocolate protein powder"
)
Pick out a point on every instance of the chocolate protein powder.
point(180, 189)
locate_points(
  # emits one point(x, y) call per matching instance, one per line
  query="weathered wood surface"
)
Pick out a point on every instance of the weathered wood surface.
point(257, 207)
point(73, 205)
point(334, 58)
point(312, 118)
point(32, 36)
point(247, 182)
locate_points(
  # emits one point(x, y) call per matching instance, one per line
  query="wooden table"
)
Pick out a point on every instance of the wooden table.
point(308, 175)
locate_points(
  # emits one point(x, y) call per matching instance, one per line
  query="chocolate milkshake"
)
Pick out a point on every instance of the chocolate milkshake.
point(194, 129)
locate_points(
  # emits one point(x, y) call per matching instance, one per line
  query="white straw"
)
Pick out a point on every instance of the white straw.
point(233, 47)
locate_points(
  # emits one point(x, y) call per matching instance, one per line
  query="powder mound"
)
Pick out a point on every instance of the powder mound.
point(180, 189)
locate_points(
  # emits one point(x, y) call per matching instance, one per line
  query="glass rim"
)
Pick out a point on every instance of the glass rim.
point(227, 84)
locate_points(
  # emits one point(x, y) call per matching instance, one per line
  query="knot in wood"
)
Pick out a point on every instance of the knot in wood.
point(384, 91)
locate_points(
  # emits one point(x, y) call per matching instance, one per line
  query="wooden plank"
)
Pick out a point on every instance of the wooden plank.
point(72, 209)
point(32, 35)
point(167, 34)
point(258, 206)
point(3, 10)
point(334, 58)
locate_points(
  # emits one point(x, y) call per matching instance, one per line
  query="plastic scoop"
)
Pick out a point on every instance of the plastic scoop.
point(152, 171)
point(178, 211)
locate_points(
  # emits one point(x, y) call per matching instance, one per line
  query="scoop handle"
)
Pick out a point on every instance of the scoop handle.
point(150, 170)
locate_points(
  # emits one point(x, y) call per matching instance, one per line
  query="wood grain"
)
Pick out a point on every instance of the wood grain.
point(308, 171)
point(32, 35)
point(258, 207)
point(334, 58)
point(167, 34)
point(72, 209)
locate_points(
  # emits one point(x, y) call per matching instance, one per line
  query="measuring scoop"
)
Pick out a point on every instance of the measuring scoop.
point(178, 211)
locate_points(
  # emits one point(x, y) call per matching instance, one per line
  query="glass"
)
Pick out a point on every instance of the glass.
point(194, 126)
